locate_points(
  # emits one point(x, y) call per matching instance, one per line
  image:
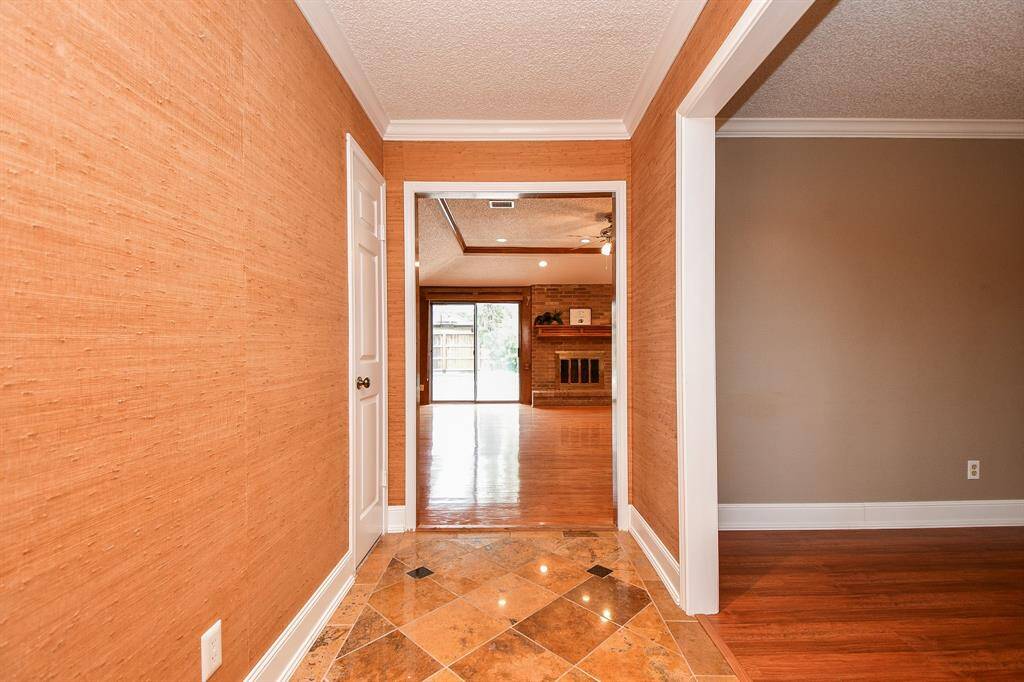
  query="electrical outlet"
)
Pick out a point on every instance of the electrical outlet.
point(973, 469)
point(209, 645)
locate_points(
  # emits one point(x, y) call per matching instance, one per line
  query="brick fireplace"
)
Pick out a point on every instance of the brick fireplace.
point(572, 369)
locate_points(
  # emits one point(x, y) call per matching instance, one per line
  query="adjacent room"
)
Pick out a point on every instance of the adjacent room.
point(870, 319)
point(515, 361)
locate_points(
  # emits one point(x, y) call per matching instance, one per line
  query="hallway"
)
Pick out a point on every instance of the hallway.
point(514, 466)
point(527, 605)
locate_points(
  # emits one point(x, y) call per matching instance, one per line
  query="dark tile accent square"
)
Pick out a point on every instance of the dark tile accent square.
point(599, 570)
point(421, 572)
point(578, 534)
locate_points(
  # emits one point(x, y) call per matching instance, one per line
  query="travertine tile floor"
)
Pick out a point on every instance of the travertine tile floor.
point(511, 606)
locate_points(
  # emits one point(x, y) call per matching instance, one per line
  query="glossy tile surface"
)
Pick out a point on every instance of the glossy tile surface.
point(409, 599)
point(392, 657)
point(453, 630)
point(475, 619)
point(321, 655)
point(370, 626)
point(610, 598)
point(567, 629)
point(511, 657)
point(628, 656)
point(650, 624)
point(510, 598)
point(553, 572)
point(502, 464)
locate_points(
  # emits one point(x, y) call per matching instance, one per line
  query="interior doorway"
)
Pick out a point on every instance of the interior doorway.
point(516, 393)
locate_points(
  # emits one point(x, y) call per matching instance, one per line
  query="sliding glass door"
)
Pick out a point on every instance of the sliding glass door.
point(474, 352)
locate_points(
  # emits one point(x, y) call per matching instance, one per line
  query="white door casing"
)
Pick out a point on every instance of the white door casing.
point(367, 350)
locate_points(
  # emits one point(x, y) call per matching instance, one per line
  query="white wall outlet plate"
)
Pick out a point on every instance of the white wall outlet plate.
point(209, 645)
point(973, 469)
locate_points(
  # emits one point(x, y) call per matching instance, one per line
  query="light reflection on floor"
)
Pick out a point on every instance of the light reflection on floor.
point(513, 465)
point(480, 462)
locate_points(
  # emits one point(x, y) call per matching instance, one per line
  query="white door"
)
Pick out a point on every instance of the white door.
point(366, 348)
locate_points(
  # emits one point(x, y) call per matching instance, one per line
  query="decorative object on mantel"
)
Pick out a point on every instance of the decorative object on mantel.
point(548, 318)
point(579, 316)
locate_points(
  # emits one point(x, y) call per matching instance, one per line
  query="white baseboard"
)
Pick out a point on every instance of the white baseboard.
point(396, 518)
point(288, 650)
point(952, 514)
point(665, 564)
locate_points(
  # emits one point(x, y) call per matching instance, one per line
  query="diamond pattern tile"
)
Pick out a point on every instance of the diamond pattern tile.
point(531, 605)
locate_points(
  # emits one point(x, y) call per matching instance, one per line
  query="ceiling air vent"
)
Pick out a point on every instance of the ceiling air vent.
point(502, 203)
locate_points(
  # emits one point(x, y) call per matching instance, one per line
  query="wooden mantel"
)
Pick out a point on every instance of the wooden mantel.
point(590, 331)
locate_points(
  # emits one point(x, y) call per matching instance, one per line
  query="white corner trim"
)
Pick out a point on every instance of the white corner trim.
point(288, 650)
point(759, 29)
point(464, 129)
point(332, 37)
point(396, 518)
point(953, 514)
point(873, 127)
point(657, 553)
point(680, 23)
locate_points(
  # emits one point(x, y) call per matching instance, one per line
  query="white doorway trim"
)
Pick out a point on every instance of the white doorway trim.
point(758, 31)
point(352, 152)
point(620, 441)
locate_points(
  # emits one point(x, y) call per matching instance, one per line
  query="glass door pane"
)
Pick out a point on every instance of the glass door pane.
point(497, 351)
point(453, 351)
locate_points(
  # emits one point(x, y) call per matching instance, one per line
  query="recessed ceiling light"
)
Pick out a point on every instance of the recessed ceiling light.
point(501, 240)
point(543, 263)
point(584, 241)
point(417, 263)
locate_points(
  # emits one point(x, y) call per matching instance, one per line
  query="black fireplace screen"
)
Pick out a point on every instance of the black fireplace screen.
point(580, 371)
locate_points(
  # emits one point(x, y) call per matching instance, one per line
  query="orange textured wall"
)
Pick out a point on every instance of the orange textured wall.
point(172, 331)
point(467, 162)
point(652, 407)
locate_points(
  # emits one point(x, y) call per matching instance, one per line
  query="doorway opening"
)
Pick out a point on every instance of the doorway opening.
point(516, 393)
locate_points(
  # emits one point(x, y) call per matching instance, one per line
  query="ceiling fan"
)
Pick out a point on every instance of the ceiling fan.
point(606, 236)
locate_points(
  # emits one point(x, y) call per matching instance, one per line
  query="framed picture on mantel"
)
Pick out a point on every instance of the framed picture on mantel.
point(579, 316)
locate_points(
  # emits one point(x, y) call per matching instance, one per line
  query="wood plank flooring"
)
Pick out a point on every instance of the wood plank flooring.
point(514, 466)
point(933, 604)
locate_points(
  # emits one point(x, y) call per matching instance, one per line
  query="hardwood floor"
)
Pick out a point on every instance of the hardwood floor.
point(932, 604)
point(514, 466)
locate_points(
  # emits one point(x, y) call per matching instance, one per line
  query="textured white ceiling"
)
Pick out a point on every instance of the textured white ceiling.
point(442, 262)
point(533, 222)
point(900, 59)
point(503, 59)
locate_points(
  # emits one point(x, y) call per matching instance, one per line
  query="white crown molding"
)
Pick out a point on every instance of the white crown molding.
point(873, 127)
point(954, 514)
point(455, 130)
point(327, 29)
point(684, 16)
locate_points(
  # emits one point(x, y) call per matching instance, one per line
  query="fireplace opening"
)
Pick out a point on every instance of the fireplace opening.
point(580, 371)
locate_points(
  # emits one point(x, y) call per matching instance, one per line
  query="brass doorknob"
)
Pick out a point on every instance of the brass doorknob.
point(362, 382)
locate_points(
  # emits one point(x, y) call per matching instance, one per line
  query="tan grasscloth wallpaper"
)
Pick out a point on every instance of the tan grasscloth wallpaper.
point(652, 370)
point(173, 416)
point(870, 319)
point(467, 162)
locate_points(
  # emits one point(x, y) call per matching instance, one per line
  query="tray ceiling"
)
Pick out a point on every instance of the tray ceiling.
point(541, 222)
point(442, 262)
